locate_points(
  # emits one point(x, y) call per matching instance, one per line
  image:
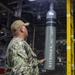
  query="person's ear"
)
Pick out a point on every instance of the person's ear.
point(22, 29)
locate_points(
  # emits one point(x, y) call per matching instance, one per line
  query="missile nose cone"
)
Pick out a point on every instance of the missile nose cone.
point(51, 13)
point(51, 6)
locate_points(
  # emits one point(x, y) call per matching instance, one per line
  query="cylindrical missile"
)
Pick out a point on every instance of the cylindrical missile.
point(50, 39)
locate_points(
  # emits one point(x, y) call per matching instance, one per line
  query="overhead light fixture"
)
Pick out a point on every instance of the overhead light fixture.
point(31, 0)
point(39, 17)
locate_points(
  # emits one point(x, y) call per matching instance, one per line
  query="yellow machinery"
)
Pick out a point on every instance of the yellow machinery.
point(70, 38)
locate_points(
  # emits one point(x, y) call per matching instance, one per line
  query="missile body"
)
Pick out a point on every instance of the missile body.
point(50, 39)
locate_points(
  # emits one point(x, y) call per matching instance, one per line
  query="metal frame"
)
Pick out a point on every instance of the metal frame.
point(6, 8)
point(70, 38)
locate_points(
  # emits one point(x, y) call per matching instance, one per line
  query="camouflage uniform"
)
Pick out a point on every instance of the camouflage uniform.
point(21, 59)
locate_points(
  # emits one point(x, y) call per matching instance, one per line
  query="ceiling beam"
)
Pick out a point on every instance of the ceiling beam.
point(6, 8)
point(14, 2)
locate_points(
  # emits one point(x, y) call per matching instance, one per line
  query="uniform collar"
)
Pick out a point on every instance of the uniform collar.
point(18, 38)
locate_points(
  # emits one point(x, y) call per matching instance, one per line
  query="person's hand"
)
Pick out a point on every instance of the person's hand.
point(43, 60)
